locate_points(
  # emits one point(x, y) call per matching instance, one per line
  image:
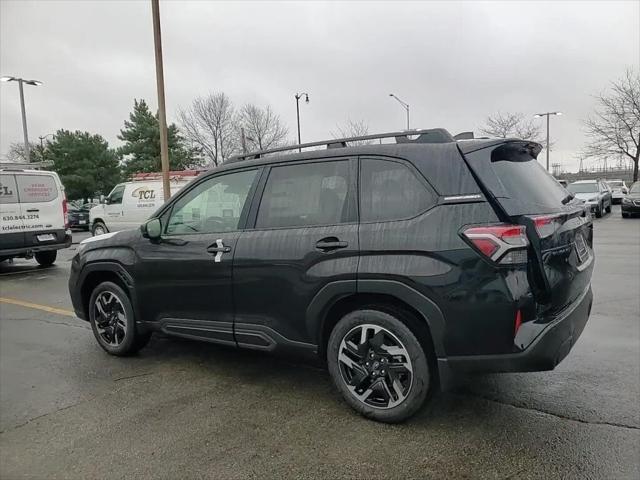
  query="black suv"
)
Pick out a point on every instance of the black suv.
point(396, 263)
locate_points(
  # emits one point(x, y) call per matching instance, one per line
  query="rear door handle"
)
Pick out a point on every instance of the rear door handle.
point(327, 244)
point(218, 249)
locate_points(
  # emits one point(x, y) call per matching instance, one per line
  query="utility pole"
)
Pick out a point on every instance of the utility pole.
point(244, 140)
point(162, 114)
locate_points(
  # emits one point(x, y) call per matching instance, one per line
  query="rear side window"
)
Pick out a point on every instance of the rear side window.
point(8, 189)
point(306, 194)
point(391, 191)
point(36, 188)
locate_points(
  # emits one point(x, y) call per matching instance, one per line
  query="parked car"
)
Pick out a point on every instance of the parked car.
point(619, 189)
point(595, 193)
point(79, 216)
point(631, 202)
point(33, 207)
point(396, 264)
point(130, 203)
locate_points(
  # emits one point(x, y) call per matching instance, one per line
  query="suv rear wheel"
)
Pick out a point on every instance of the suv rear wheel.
point(113, 322)
point(46, 258)
point(378, 365)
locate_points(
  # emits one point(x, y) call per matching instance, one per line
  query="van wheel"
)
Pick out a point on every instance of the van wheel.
point(46, 258)
point(99, 228)
point(378, 365)
point(113, 322)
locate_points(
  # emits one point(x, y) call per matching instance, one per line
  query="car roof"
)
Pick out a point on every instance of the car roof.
point(585, 181)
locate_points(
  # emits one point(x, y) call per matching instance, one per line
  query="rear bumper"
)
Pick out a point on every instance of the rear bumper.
point(29, 243)
point(545, 352)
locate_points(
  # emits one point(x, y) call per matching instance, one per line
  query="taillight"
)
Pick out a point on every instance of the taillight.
point(65, 210)
point(517, 323)
point(504, 244)
point(546, 225)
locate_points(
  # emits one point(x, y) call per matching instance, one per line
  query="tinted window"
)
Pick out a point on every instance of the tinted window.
point(36, 188)
point(8, 189)
point(527, 182)
point(115, 197)
point(213, 206)
point(391, 191)
point(305, 194)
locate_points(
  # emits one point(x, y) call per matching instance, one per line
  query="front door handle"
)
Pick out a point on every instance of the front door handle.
point(331, 243)
point(218, 249)
point(33, 210)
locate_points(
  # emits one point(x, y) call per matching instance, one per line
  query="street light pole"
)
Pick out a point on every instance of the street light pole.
point(406, 107)
point(298, 97)
point(162, 115)
point(547, 114)
point(21, 81)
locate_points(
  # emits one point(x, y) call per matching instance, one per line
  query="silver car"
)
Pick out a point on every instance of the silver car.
point(596, 195)
point(619, 189)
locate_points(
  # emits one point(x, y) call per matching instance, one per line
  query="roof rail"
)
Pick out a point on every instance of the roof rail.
point(434, 135)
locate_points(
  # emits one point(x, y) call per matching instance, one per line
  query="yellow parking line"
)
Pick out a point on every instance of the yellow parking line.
point(44, 308)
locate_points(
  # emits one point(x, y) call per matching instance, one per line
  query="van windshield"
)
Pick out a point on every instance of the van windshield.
point(583, 188)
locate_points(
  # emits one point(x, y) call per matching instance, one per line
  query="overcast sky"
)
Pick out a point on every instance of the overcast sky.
point(453, 62)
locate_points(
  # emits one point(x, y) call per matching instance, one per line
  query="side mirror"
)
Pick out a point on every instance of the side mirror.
point(103, 199)
point(151, 229)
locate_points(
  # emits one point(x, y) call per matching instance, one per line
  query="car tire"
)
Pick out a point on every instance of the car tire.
point(609, 208)
point(46, 258)
point(113, 321)
point(625, 215)
point(99, 228)
point(599, 211)
point(386, 394)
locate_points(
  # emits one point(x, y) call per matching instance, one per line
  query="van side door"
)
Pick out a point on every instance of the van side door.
point(300, 244)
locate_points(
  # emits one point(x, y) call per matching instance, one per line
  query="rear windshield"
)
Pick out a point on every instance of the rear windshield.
point(635, 188)
point(583, 188)
point(615, 183)
point(528, 185)
point(36, 188)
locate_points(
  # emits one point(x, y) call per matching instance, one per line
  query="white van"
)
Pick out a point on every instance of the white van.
point(129, 204)
point(33, 210)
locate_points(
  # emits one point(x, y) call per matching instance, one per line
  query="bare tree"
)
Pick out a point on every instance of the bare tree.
point(351, 128)
point(16, 153)
point(208, 124)
point(614, 128)
point(263, 129)
point(504, 125)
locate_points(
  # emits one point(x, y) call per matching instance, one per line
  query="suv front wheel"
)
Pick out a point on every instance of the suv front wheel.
point(378, 365)
point(112, 321)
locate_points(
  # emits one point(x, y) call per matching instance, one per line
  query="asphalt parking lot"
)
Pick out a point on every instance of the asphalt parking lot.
point(184, 409)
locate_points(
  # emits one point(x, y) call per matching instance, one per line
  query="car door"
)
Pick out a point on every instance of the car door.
point(184, 280)
point(113, 208)
point(301, 243)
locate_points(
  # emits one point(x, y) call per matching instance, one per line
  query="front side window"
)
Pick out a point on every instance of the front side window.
point(115, 197)
point(213, 206)
point(306, 194)
point(36, 188)
point(391, 191)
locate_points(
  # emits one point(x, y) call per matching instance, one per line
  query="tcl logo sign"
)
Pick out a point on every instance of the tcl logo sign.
point(5, 190)
point(144, 193)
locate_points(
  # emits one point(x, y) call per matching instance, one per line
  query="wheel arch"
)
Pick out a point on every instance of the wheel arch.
point(337, 299)
point(97, 273)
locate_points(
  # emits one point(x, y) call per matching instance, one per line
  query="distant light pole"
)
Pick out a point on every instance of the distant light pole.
point(306, 99)
point(36, 83)
point(547, 114)
point(405, 105)
point(42, 143)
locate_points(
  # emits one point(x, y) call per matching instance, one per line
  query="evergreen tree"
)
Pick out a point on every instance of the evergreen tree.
point(86, 165)
point(141, 137)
